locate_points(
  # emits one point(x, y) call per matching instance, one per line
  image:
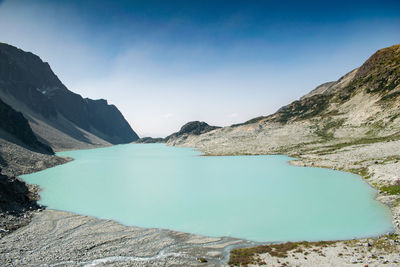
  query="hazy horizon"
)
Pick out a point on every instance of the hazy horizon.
point(164, 63)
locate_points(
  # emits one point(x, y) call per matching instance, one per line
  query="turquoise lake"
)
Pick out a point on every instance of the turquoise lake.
point(260, 198)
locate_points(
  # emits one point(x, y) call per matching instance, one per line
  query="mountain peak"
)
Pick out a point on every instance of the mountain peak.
point(29, 85)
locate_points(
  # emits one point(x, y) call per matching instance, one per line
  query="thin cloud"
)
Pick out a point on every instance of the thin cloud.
point(233, 115)
point(168, 115)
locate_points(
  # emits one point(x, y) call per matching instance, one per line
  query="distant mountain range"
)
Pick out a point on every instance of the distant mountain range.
point(58, 117)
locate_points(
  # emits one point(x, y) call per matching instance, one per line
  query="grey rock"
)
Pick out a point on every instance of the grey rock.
point(56, 237)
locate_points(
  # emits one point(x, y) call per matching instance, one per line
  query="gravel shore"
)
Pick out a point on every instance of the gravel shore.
point(56, 238)
point(376, 161)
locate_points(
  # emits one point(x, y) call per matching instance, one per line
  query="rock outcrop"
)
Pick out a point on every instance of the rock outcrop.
point(14, 126)
point(15, 200)
point(192, 128)
point(189, 129)
point(150, 140)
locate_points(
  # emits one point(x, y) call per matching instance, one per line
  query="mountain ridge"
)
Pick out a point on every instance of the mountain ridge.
point(352, 124)
point(361, 105)
point(29, 85)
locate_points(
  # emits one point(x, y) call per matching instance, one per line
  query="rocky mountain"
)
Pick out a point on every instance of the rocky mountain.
point(352, 124)
point(14, 127)
point(150, 140)
point(59, 117)
point(190, 128)
point(361, 107)
point(38, 113)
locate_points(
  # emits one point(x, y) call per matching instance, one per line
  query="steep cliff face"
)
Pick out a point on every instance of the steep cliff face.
point(29, 85)
point(100, 114)
point(361, 107)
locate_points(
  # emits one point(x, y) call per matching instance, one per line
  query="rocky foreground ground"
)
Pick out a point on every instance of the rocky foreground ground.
point(56, 238)
point(17, 199)
point(16, 160)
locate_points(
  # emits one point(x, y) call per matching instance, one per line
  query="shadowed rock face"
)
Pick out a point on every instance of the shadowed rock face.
point(192, 128)
point(15, 196)
point(17, 203)
point(17, 127)
point(150, 140)
point(32, 86)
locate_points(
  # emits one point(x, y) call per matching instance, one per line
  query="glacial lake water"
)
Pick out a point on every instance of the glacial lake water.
point(260, 198)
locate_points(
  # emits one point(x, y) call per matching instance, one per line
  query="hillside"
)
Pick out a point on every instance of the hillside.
point(59, 117)
point(361, 107)
point(352, 124)
point(14, 127)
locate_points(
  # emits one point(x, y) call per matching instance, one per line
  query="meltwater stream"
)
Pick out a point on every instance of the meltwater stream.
point(260, 198)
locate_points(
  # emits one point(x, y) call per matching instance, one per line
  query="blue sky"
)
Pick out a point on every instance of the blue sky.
point(164, 63)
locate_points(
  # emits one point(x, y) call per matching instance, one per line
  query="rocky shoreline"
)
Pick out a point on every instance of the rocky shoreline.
point(57, 238)
point(77, 240)
point(36, 236)
point(378, 165)
point(18, 199)
point(377, 162)
point(351, 125)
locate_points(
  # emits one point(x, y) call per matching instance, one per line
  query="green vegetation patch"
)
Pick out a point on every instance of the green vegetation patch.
point(376, 127)
point(391, 159)
point(303, 109)
point(396, 203)
point(362, 141)
point(391, 189)
point(327, 130)
point(394, 117)
point(245, 256)
point(362, 172)
point(391, 96)
point(249, 121)
point(385, 243)
point(380, 74)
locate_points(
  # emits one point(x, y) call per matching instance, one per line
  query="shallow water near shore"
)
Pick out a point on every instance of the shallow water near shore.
point(260, 198)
